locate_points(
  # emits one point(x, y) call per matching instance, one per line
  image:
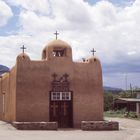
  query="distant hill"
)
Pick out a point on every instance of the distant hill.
point(3, 69)
point(112, 89)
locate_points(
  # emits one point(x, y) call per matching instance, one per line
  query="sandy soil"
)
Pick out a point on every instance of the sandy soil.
point(129, 130)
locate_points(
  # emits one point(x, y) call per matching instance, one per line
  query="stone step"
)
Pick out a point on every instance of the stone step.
point(99, 125)
point(35, 125)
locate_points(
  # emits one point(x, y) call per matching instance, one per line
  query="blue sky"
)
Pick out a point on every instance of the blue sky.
point(116, 2)
point(11, 26)
point(111, 27)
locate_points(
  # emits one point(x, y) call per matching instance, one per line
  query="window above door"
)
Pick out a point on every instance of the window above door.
point(60, 96)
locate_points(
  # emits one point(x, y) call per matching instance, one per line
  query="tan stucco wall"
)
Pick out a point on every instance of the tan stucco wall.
point(34, 84)
point(88, 92)
point(8, 90)
point(32, 92)
point(5, 91)
point(1, 99)
point(13, 83)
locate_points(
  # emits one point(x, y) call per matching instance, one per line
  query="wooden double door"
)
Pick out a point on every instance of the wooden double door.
point(61, 112)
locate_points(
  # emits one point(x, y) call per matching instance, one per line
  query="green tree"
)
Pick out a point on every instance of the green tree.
point(108, 101)
point(127, 94)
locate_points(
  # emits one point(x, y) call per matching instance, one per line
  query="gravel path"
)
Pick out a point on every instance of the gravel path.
point(129, 130)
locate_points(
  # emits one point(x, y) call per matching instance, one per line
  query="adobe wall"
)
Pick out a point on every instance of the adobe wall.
point(1, 109)
point(5, 93)
point(32, 91)
point(7, 96)
point(12, 100)
point(34, 84)
point(88, 92)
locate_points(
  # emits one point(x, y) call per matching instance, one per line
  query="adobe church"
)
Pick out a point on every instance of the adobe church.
point(54, 89)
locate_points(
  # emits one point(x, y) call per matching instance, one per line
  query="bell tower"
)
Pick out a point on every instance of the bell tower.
point(57, 49)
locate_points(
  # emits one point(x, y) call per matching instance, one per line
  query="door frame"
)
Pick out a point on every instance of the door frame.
point(62, 101)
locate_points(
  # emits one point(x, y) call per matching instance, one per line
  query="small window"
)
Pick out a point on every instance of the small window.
point(59, 96)
point(55, 96)
point(94, 59)
point(63, 96)
point(59, 52)
point(44, 54)
point(66, 96)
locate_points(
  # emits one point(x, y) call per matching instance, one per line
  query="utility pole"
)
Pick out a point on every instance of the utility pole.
point(131, 89)
point(126, 81)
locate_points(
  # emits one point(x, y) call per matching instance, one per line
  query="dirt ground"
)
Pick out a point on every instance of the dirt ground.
point(129, 130)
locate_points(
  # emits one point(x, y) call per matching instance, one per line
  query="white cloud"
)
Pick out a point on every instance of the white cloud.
point(104, 14)
point(131, 53)
point(5, 13)
point(112, 30)
point(39, 6)
point(11, 45)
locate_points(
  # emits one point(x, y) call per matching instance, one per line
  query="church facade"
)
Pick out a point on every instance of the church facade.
point(54, 89)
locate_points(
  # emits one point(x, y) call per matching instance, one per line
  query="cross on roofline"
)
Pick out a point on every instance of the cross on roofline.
point(56, 33)
point(93, 51)
point(23, 48)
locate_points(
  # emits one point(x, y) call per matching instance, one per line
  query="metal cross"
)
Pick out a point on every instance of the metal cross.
point(56, 33)
point(23, 48)
point(93, 51)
